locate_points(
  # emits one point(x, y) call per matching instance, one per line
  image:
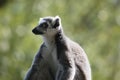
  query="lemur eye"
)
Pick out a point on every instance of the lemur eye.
point(44, 25)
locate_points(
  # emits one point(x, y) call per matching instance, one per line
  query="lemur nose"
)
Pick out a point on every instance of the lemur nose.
point(36, 31)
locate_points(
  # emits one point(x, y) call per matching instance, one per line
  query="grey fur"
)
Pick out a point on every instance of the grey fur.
point(40, 69)
point(58, 58)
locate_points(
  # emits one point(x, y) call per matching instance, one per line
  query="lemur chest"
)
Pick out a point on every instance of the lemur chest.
point(50, 55)
point(52, 61)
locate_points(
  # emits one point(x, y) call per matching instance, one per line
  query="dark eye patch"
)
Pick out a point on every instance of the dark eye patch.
point(44, 25)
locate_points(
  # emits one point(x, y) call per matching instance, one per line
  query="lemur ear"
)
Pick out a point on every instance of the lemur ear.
point(56, 22)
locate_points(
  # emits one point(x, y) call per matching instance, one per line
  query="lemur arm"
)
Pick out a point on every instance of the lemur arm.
point(32, 74)
point(66, 69)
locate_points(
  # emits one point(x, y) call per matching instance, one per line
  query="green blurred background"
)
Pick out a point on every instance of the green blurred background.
point(94, 24)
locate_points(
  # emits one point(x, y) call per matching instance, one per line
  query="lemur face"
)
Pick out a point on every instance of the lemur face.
point(48, 26)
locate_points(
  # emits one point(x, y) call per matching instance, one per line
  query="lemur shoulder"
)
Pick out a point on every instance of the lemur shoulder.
point(58, 58)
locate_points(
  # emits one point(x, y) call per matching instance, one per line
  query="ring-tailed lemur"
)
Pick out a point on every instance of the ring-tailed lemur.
point(58, 58)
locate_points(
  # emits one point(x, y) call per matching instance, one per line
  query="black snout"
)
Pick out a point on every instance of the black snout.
point(36, 31)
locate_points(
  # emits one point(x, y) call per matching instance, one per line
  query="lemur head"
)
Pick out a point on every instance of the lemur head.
point(48, 26)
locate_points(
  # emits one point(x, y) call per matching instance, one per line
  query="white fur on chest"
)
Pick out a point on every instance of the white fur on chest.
point(51, 59)
point(50, 53)
point(50, 56)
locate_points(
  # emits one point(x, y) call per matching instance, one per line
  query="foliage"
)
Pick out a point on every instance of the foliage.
point(95, 24)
